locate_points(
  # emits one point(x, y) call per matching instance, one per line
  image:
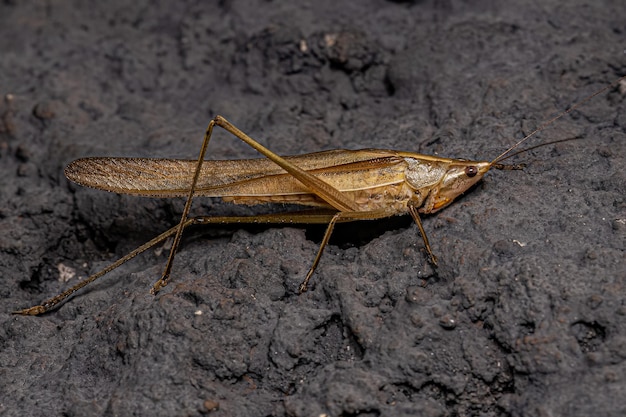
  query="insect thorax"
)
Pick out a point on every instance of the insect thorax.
point(424, 174)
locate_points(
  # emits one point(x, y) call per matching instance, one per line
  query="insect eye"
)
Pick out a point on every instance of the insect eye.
point(471, 171)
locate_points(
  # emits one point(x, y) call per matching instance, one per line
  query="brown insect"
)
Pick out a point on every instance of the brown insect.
point(340, 185)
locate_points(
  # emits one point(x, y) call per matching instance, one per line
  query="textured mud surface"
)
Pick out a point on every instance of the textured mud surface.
point(525, 315)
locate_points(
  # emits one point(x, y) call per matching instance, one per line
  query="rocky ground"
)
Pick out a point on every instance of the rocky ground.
point(525, 314)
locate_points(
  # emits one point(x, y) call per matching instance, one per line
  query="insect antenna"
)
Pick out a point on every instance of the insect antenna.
point(506, 154)
point(508, 167)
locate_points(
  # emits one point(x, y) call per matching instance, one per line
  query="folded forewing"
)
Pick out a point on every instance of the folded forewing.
point(345, 170)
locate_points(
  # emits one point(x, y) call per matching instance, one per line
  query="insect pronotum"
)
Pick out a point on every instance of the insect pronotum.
point(340, 185)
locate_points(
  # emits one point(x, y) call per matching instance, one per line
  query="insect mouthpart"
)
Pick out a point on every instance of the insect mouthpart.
point(459, 178)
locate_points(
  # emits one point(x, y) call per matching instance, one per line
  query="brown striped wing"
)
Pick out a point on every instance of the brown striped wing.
point(258, 178)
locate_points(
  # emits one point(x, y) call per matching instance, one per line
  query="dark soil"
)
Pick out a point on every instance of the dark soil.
point(525, 315)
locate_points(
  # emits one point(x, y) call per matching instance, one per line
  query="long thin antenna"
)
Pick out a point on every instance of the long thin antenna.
point(555, 118)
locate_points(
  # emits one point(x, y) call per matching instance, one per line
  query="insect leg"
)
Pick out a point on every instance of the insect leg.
point(329, 231)
point(279, 218)
point(54, 301)
point(341, 217)
point(328, 193)
point(181, 225)
point(307, 217)
point(418, 221)
point(325, 191)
